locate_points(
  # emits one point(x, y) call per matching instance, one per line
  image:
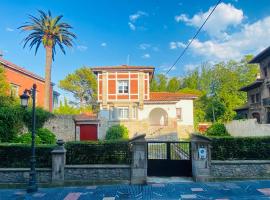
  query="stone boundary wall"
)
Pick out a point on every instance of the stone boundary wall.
point(21, 175)
point(247, 128)
point(63, 126)
point(240, 169)
point(97, 173)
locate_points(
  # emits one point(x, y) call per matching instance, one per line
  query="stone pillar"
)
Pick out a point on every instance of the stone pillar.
point(141, 89)
point(104, 89)
point(201, 157)
point(58, 162)
point(139, 160)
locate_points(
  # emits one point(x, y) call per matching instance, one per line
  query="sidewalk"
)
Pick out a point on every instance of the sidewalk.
point(233, 190)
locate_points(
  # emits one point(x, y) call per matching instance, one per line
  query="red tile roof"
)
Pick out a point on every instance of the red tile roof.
point(20, 69)
point(85, 117)
point(170, 96)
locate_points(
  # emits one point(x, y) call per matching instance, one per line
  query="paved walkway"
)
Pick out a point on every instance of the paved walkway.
point(253, 190)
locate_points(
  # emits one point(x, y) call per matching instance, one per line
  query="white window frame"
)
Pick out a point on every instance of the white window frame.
point(134, 112)
point(121, 84)
point(14, 89)
point(123, 112)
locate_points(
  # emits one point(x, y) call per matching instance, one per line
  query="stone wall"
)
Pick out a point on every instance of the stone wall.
point(240, 169)
point(97, 173)
point(247, 128)
point(63, 126)
point(21, 175)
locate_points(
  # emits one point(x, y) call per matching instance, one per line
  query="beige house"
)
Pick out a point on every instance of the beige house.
point(258, 92)
point(124, 98)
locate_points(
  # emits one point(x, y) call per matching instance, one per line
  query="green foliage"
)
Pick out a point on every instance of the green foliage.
point(4, 86)
point(241, 148)
point(82, 84)
point(41, 117)
point(18, 155)
point(10, 119)
point(217, 129)
point(117, 132)
point(106, 152)
point(26, 138)
point(46, 136)
point(66, 109)
point(173, 85)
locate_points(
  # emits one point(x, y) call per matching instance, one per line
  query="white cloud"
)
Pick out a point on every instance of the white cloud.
point(144, 46)
point(82, 48)
point(175, 45)
point(251, 38)
point(147, 55)
point(131, 26)
point(225, 16)
point(9, 29)
point(133, 19)
point(190, 67)
point(103, 44)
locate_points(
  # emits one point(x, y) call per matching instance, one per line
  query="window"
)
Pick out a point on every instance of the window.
point(265, 72)
point(179, 113)
point(258, 97)
point(253, 98)
point(113, 113)
point(123, 87)
point(123, 113)
point(14, 90)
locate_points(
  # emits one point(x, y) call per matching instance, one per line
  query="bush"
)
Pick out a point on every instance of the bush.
point(108, 152)
point(217, 129)
point(117, 132)
point(26, 138)
point(18, 155)
point(46, 136)
point(10, 121)
point(241, 148)
point(41, 117)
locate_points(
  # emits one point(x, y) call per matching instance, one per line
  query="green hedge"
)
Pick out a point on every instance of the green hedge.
point(241, 148)
point(18, 155)
point(107, 152)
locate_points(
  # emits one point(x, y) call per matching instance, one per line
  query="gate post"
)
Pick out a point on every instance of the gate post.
point(139, 160)
point(58, 162)
point(201, 157)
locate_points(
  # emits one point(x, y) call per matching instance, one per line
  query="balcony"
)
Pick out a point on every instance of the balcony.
point(266, 102)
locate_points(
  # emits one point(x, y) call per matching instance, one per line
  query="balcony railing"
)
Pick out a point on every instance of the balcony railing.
point(266, 102)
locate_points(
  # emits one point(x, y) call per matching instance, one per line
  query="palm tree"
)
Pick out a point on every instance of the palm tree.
point(50, 32)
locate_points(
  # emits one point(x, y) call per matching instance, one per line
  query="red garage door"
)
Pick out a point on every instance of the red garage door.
point(88, 132)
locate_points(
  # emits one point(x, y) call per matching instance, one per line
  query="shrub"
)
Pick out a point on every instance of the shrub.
point(41, 117)
point(26, 138)
point(117, 132)
point(241, 148)
point(18, 155)
point(46, 136)
point(108, 152)
point(10, 121)
point(217, 129)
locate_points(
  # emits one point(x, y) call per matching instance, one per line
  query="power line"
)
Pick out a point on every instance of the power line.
point(198, 31)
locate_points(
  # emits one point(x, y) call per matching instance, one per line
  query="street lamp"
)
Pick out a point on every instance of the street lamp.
point(32, 186)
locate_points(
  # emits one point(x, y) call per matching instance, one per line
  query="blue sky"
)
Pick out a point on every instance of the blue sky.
point(152, 32)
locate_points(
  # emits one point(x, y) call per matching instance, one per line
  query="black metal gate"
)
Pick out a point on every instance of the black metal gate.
point(169, 158)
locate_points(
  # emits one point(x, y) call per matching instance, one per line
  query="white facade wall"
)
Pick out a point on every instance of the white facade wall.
point(145, 112)
point(187, 112)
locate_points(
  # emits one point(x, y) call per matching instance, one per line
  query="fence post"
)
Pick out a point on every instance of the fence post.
point(58, 162)
point(201, 157)
point(139, 160)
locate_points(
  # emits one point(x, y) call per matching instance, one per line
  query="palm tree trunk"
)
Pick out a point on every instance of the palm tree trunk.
point(48, 69)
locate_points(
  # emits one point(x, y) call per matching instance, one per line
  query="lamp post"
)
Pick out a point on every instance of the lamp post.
point(32, 186)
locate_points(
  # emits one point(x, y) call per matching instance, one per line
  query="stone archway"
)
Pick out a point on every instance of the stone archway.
point(158, 117)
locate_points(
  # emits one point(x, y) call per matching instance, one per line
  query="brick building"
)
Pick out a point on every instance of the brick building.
point(21, 79)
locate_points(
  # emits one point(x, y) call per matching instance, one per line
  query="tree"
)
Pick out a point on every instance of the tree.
point(173, 85)
point(82, 84)
point(66, 109)
point(4, 86)
point(49, 31)
point(162, 82)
